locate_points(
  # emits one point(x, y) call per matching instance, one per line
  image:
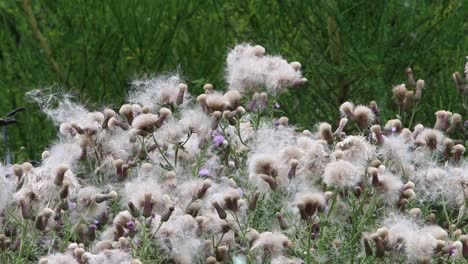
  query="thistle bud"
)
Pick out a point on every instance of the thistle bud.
point(92, 232)
point(409, 73)
point(363, 116)
point(282, 222)
point(18, 171)
point(457, 233)
point(458, 82)
point(270, 181)
point(409, 193)
point(165, 217)
point(464, 241)
point(221, 213)
point(108, 114)
point(25, 209)
point(346, 110)
point(458, 151)
point(127, 111)
point(374, 174)
point(77, 128)
point(201, 99)
point(114, 122)
point(78, 253)
point(325, 131)
point(123, 243)
point(180, 95)
point(378, 133)
point(283, 121)
point(211, 260)
point(292, 172)
point(455, 122)
point(431, 218)
point(39, 223)
point(104, 197)
point(4, 242)
point(64, 191)
point(133, 210)
point(121, 170)
point(118, 232)
point(419, 88)
point(357, 191)
point(216, 116)
point(442, 120)
point(310, 204)
point(307, 133)
point(296, 65)
point(208, 88)
point(193, 209)
point(415, 212)
point(394, 126)
point(399, 92)
point(253, 201)
point(408, 185)
point(233, 98)
point(145, 109)
point(201, 193)
point(148, 205)
point(163, 114)
point(341, 127)
point(448, 144)
point(375, 109)
point(408, 101)
point(225, 228)
point(231, 199)
point(60, 174)
point(221, 253)
point(375, 163)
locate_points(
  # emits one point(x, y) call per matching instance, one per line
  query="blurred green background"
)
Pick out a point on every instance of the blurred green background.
point(352, 50)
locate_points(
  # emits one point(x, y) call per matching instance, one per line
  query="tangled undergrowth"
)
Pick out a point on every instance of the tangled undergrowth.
point(218, 179)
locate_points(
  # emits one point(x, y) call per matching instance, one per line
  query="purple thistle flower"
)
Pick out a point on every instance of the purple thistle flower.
point(314, 236)
point(276, 123)
point(252, 105)
point(204, 173)
point(453, 251)
point(92, 227)
point(218, 140)
point(131, 225)
point(71, 205)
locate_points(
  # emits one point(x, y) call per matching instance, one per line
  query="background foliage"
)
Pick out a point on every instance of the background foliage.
point(352, 50)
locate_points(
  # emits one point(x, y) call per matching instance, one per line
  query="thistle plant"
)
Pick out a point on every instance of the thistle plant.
point(224, 177)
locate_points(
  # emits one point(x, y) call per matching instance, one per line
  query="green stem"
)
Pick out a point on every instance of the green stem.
point(24, 227)
point(157, 229)
point(162, 153)
point(309, 242)
point(412, 115)
point(335, 195)
point(239, 133)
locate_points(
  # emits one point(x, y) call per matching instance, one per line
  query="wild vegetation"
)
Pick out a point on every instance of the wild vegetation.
point(169, 177)
point(350, 50)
